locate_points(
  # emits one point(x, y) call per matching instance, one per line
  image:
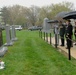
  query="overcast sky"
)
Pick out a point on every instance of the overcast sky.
point(28, 3)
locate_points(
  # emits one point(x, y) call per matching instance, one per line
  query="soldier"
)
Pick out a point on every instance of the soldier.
point(69, 34)
point(75, 32)
point(61, 32)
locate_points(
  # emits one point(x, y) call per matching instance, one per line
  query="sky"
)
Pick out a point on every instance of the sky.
point(28, 3)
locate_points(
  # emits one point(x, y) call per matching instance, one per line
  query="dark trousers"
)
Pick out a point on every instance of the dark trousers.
point(62, 40)
point(75, 37)
point(69, 41)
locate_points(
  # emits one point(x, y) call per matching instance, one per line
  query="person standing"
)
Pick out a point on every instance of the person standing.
point(75, 32)
point(61, 32)
point(69, 34)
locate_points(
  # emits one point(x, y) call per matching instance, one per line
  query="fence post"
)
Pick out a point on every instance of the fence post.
point(69, 55)
point(44, 35)
point(50, 38)
point(41, 34)
point(56, 40)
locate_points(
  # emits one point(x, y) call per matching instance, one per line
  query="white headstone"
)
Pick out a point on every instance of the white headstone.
point(3, 50)
point(8, 36)
point(46, 25)
point(13, 33)
point(2, 65)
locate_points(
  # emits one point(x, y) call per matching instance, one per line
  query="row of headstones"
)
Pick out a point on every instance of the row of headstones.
point(10, 35)
point(10, 38)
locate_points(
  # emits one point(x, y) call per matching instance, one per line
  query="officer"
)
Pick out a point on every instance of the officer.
point(69, 34)
point(75, 32)
point(61, 32)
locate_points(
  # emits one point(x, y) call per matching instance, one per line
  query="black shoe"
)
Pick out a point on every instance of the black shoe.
point(72, 45)
point(75, 44)
point(66, 47)
point(61, 45)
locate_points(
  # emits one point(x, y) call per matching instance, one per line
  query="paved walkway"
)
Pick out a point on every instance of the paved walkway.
point(63, 49)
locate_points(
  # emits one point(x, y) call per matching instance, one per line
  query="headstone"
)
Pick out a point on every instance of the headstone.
point(46, 25)
point(2, 48)
point(8, 36)
point(13, 33)
point(1, 40)
point(2, 65)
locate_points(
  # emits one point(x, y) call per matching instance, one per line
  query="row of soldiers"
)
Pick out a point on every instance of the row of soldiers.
point(67, 31)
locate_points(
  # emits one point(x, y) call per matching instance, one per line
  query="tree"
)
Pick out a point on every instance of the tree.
point(32, 15)
point(17, 15)
point(14, 13)
point(5, 15)
point(44, 13)
point(64, 6)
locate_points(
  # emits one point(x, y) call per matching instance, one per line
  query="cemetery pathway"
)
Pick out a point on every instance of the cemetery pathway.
point(63, 49)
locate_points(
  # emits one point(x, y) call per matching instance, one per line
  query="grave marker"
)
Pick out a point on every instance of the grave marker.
point(46, 28)
point(8, 36)
point(2, 48)
point(13, 33)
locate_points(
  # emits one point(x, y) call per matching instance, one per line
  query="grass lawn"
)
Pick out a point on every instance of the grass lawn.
point(30, 55)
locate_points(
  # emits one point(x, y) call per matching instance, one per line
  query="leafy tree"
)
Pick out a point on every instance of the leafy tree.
point(32, 15)
point(14, 14)
point(5, 15)
point(57, 8)
point(44, 13)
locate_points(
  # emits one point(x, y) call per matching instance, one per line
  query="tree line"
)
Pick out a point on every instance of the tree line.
point(34, 15)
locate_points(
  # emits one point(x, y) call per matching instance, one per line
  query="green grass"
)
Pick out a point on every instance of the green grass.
point(30, 55)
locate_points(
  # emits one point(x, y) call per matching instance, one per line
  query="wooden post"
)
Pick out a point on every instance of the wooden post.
point(69, 47)
point(56, 40)
point(44, 35)
point(47, 37)
point(69, 55)
point(50, 38)
point(41, 34)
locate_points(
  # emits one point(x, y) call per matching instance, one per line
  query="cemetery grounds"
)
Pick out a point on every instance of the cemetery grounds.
point(31, 55)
